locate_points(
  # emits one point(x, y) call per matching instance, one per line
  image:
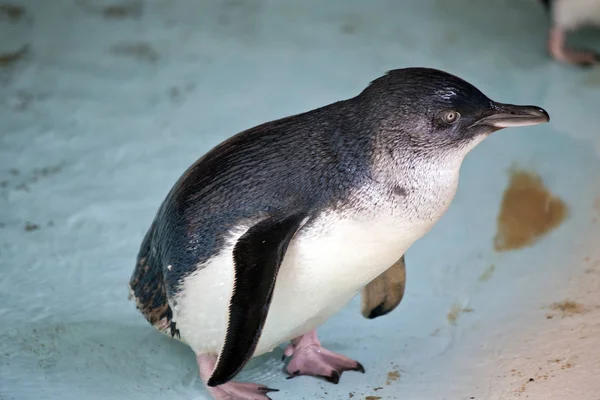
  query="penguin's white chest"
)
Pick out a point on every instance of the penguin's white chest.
point(325, 265)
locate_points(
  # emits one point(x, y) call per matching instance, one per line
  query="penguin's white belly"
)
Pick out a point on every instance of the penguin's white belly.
point(325, 265)
point(570, 14)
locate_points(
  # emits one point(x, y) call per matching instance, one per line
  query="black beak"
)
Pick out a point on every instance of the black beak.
point(510, 115)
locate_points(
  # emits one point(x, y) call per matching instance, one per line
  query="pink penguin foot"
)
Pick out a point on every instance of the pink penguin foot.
point(309, 358)
point(230, 390)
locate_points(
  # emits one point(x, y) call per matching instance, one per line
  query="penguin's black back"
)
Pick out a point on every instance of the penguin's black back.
point(300, 163)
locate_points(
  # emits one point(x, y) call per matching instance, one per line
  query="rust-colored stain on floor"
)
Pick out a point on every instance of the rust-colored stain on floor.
point(567, 308)
point(392, 376)
point(13, 12)
point(487, 274)
point(10, 58)
point(455, 312)
point(528, 211)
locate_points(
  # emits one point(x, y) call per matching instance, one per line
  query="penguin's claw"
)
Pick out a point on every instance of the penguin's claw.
point(334, 378)
point(309, 358)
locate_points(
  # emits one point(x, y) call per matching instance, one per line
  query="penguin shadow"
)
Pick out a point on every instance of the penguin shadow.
point(98, 355)
point(106, 357)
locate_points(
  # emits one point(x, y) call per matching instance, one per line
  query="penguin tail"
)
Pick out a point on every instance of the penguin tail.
point(148, 288)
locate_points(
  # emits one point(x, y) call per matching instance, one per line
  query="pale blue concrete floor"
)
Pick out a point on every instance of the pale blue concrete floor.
point(92, 137)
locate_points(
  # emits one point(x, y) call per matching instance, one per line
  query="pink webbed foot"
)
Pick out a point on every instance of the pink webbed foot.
point(230, 390)
point(560, 52)
point(309, 358)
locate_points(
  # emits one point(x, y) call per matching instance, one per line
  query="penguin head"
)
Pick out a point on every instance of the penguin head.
point(437, 110)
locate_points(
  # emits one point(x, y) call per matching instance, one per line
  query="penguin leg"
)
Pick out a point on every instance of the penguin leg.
point(385, 292)
point(560, 52)
point(230, 390)
point(309, 358)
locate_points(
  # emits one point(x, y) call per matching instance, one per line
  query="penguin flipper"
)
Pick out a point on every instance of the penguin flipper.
point(385, 292)
point(257, 257)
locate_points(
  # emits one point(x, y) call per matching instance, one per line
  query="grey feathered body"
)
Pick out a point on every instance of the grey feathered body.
point(368, 192)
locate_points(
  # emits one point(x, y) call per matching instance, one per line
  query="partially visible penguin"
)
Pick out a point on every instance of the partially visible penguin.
point(276, 229)
point(567, 16)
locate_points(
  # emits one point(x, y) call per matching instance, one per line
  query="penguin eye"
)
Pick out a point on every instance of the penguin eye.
point(450, 117)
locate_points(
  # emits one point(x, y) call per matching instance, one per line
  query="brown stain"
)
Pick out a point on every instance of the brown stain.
point(10, 58)
point(139, 51)
point(524, 385)
point(37, 175)
point(543, 374)
point(455, 312)
point(372, 398)
point(487, 274)
point(122, 11)
point(567, 308)
point(392, 376)
point(13, 12)
point(528, 212)
point(29, 227)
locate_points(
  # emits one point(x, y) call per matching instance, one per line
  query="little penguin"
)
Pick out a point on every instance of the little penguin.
point(566, 16)
point(277, 228)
